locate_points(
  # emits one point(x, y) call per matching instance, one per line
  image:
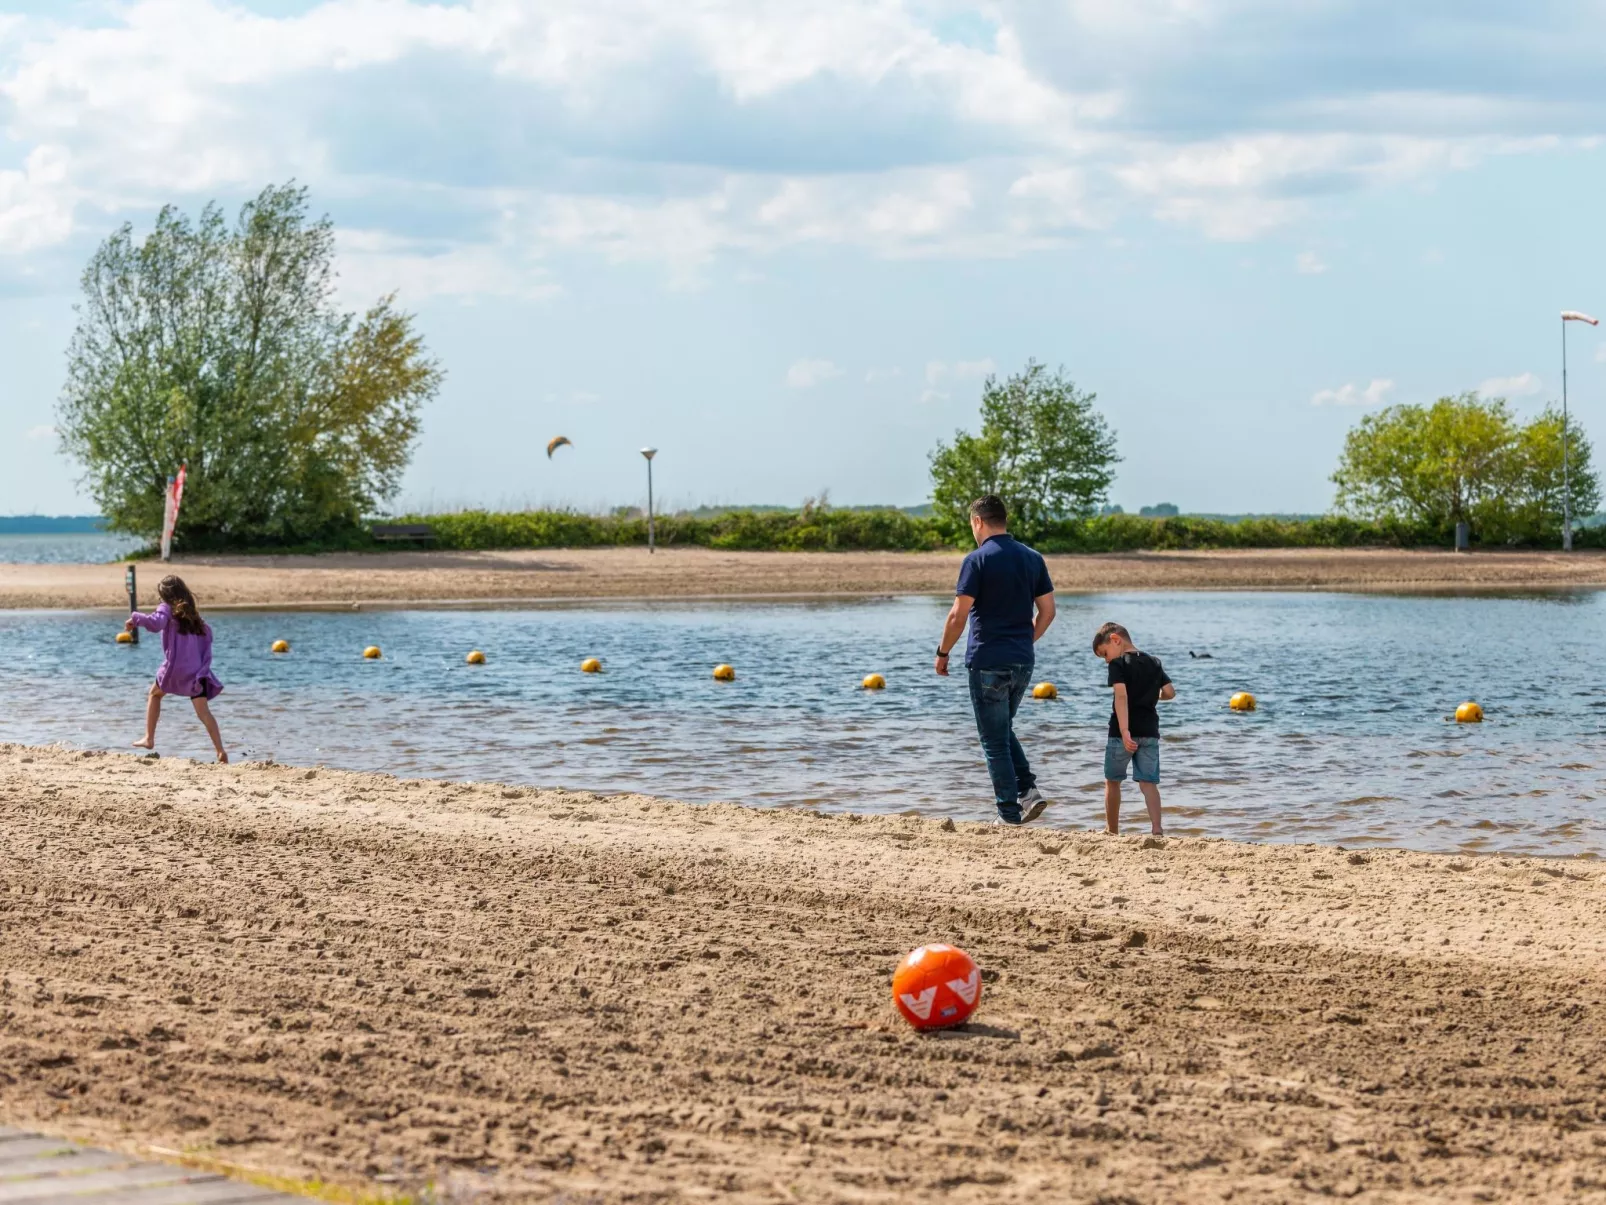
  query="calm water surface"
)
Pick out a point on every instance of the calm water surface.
point(65, 548)
point(1351, 743)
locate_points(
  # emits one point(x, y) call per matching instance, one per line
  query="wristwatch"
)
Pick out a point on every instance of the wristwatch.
point(940, 653)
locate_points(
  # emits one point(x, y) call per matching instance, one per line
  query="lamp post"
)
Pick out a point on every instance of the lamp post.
point(652, 543)
point(1566, 477)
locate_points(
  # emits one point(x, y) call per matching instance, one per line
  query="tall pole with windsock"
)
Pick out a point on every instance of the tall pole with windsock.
point(1566, 477)
point(652, 540)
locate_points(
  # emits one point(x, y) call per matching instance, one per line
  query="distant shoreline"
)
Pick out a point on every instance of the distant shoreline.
point(537, 577)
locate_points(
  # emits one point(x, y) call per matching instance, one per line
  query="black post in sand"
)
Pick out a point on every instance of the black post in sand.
point(133, 596)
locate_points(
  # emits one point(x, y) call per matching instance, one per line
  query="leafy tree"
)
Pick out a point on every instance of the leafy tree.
point(223, 348)
point(1043, 448)
point(1464, 459)
point(1534, 500)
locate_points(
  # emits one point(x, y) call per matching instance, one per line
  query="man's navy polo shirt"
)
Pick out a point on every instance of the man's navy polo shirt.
point(1004, 577)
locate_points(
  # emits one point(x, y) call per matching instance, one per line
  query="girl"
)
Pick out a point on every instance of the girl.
point(186, 660)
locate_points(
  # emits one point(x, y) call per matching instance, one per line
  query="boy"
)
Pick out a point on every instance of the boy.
point(1140, 682)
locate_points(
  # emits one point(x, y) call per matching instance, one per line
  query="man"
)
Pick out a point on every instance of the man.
point(1005, 596)
point(1140, 682)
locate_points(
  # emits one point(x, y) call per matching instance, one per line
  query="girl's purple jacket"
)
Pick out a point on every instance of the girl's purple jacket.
point(186, 660)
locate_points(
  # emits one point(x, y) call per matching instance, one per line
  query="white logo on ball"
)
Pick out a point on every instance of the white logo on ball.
point(920, 1005)
point(966, 989)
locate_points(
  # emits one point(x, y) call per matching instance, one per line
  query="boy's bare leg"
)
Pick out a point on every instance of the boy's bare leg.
point(1151, 797)
point(153, 712)
point(1112, 805)
point(203, 710)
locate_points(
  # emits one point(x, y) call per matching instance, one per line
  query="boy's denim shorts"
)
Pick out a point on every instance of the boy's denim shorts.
point(1145, 762)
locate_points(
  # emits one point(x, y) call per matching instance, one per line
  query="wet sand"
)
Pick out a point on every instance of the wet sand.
point(525, 995)
point(552, 574)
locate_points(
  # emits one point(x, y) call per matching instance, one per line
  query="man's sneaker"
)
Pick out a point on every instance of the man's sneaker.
point(1032, 804)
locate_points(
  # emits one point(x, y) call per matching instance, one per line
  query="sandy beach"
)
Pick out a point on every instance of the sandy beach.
point(524, 995)
point(554, 574)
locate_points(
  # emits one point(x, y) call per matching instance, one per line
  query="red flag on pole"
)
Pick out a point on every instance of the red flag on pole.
point(175, 496)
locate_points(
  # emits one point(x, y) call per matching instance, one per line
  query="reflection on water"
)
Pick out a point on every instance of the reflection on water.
point(1351, 743)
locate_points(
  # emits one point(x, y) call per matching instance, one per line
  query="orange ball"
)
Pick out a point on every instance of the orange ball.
point(936, 986)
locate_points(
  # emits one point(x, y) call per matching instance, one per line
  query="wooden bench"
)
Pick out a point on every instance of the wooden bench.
point(402, 531)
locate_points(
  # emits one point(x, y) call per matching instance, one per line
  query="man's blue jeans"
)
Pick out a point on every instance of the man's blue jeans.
point(995, 695)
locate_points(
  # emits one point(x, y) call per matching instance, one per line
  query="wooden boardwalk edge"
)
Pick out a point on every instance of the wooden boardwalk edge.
point(35, 1169)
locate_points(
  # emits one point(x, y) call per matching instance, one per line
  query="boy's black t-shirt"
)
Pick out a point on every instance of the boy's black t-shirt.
point(1143, 676)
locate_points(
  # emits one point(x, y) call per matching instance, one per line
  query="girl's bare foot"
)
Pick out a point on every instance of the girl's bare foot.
point(147, 743)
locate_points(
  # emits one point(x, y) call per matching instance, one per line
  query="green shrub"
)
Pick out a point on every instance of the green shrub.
point(827, 530)
point(817, 529)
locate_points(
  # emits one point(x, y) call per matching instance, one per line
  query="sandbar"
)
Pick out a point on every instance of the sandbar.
point(547, 575)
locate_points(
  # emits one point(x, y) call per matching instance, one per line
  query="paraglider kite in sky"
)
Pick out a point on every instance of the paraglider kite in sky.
point(555, 444)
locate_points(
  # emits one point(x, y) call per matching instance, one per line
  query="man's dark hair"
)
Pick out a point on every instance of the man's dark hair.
point(990, 509)
point(1102, 636)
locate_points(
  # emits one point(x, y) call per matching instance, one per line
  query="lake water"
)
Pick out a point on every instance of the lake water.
point(65, 548)
point(1352, 743)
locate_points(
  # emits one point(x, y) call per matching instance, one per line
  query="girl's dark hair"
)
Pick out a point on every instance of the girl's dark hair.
point(186, 614)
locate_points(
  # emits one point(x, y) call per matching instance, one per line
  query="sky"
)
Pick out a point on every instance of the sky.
point(785, 241)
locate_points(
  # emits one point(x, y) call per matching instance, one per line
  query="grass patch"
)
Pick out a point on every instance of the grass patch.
point(310, 1187)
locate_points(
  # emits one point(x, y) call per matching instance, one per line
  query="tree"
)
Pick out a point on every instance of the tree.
point(1534, 502)
point(1464, 459)
point(223, 349)
point(1043, 448)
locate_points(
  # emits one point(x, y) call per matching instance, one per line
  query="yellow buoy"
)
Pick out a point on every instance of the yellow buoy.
point(372, 652)
point(724, 673)
point(1469, 713)
point(1045, 690)
point(1242, 701)
point(281, 646)
point(125, 638)
point(874, 682)
point(590, 666)
point(475, 658)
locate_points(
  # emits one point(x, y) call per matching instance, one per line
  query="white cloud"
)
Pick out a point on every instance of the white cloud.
point(939, 373)
point(1238, 187)
point(676, 133)
point(37, 202)
point(43, 431)
point(1308, 263)
point(373, 263)
point(1523, 385)
point(805, 374)
point(873, 374)
point(1600, 353)
point(1374, 394)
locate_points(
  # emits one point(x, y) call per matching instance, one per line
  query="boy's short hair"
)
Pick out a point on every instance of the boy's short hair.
point(1102, 636)
point(990, 509)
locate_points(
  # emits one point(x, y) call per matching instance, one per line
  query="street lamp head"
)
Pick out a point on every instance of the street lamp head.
point(649, 453)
